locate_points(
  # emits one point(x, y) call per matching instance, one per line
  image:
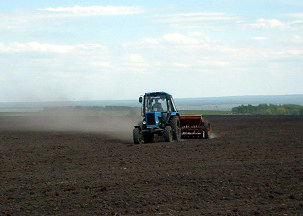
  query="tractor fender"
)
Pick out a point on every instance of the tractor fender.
point(174, 114)
point(169, 120)
point(140, 125)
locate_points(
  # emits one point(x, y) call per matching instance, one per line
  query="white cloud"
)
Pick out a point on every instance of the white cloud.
point(195, 17)
point(277, 24)
point(45, 47)
point(35, 47)
point(2, 79)
point(199, 34)
point(177, 38)
point(151, 41)
point(136, 62)
point(93, 11)
point(194, 54)
point(259, 38)
point(100, 64)
point(181, 65)
point(291, 52)
point(295, 15)
point(12, 20)
point(269, 23)
point(173, 39)
point(186, 44)
point(296, 38)
point(213, 62)
point(90, 46)
point(209, 20)
point(135, 58)
point(43, 17)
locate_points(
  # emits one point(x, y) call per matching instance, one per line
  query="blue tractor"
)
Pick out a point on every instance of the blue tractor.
point(160, 117)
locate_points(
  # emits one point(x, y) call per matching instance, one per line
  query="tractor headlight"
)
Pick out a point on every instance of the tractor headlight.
point(157, 122)
point(144, 122)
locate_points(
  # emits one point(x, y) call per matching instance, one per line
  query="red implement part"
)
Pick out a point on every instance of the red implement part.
point(192, 126)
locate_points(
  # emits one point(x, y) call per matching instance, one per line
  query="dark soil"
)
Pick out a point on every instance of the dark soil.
point(253, 166)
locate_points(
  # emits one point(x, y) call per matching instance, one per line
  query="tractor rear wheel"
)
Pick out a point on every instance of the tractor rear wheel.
point(206, 129)
point(137, 136)
point(168, 134)
point(175, 125)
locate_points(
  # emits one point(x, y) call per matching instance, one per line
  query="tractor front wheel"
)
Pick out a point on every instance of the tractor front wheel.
point(168, 134)
point(137, 136)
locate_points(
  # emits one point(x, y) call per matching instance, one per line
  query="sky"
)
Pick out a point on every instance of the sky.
point(54, 50)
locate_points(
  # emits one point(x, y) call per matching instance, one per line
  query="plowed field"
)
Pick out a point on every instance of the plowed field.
point(252, 166)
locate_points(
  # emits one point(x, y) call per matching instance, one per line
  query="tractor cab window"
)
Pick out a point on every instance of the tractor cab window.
point(155, 104)
point(170, 105)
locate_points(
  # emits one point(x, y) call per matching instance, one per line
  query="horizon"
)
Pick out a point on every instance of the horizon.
point(135, 99)
point(71, 50)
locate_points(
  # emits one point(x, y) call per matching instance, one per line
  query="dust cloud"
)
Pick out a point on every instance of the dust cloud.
point(116, 127)
point(213, 135)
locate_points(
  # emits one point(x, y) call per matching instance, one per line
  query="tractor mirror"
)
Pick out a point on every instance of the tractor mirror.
point(140, 99)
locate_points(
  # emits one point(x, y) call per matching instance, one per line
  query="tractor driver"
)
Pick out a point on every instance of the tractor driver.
point(157, 106)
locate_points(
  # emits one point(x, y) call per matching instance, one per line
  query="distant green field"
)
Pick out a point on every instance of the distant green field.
point(269, 109)
point(104, 112)
point(205, 112)
point(18, 113)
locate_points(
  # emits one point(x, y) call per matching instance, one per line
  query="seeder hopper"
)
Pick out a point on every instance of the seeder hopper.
point(194, 126)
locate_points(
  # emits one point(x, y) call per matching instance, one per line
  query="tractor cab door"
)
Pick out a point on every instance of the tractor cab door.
point(170, 108)
point(171, 105)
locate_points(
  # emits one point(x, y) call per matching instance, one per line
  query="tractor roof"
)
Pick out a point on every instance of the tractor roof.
point(156, 93)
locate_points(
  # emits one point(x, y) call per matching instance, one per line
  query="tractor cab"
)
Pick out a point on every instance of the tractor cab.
point(157, 108)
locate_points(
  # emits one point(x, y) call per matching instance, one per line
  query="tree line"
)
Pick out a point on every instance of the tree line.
point(269, 109)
